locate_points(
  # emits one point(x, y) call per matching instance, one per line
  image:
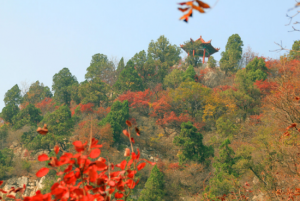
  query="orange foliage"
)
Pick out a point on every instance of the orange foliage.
point(46, 105)
point(104, 134)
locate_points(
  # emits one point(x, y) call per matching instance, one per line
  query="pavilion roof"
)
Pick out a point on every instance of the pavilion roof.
point(209, 49)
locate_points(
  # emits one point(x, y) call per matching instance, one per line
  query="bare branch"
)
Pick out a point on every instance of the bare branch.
point(282, 48)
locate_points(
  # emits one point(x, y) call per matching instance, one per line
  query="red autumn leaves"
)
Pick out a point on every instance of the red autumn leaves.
point(83, 178)
point(190, 6)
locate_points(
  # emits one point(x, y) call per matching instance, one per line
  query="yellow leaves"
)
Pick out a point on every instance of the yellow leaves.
point(190, 7)
point(156, 139)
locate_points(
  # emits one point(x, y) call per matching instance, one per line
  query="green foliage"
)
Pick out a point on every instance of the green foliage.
point(28, 116)
point(164, 55)
point(100, 67)
point(224, 176)
point(121, 65)
point(247, 97)
point(36, 93)
point(232, 55)
point(295, 52)
point(190, 97)
point(93, 91)
point(9, 111)
point(117, 117)
point(6, 162)
point(226, 127)
point(144, 66)
point(212, 63)
point(226, 159)
point(13, 96)
point(191, 144)
point(62, 86)
point(165, 52)
point(257, 70)
point(60, 125)
point(26, 165)
point(129, 79)
point(3, 134)
point(194, 60)
point(154, 187)
point(174, 79)
point(189, 74)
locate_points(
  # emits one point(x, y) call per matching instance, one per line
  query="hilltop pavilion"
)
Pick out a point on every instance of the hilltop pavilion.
point(202, 48)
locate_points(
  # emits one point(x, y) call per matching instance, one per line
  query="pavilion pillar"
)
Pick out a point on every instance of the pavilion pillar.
point(204, 56)
point(193, 53)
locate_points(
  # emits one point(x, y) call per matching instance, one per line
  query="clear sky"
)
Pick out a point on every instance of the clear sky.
point(40, 37)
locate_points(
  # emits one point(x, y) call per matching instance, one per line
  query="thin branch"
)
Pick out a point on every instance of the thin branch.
point(282, 48)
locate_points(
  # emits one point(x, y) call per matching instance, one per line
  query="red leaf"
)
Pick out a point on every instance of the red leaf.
point(42, 172)
point(56, 149)
point(126, 133)
point(137, 131)
point(141, 166)
point(95, 153)
point(122, 165)
point(1, 182)
point(128, 123)
point(132, 140)
point(118, 195)
point(43, 157)
point(78, 146)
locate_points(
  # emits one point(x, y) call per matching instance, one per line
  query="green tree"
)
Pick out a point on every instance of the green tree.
point(232, 55)
point(28, 116)
point(121, 65)
point(144, 66)
point(117, 117)
point(36, 93)
point(9, 111)
point(192, 147)
point(100, 67)
point(154, 187)
point(3, 134)
point(190, 47)
point(129, 79)
point(174, 79)
point(13, 96)
point(60, 126)
point(295, 52)
point(257, 70)
point(164, 55)
point(212, 63)
point(190, 97)
point(165, 52)
point(62, 86)
point(93, 91)
point(225, 173)
point(226, 127)
point(247, 97)
point(189, 74)
point(6, 163)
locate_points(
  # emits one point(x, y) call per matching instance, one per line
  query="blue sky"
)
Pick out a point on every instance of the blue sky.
point(39, 38)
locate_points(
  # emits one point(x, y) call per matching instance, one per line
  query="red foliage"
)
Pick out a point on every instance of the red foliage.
point(82, 178)
point(46, 105)
point(87, 108)
point(265, 86)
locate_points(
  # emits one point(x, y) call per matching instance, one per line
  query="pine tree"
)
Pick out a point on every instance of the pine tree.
point(190, 74)
point(121, 65)
point(154, 187)
point(117, 117)
point(232, 55)
point(192, 147)
point(129, 80)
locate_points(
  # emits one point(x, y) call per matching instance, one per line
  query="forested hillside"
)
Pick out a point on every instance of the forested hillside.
point(226, 130)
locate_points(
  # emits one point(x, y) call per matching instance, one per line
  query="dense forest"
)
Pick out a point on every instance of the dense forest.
point(226, 130)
